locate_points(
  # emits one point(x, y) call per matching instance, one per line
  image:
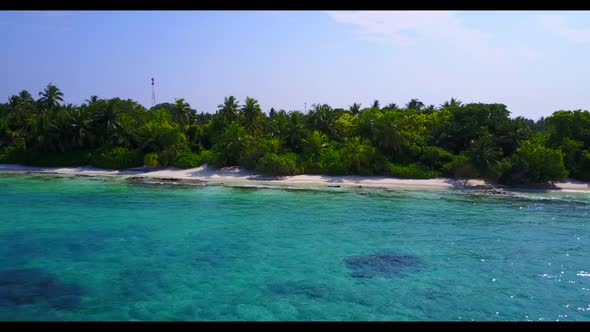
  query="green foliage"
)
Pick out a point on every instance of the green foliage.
point(151, 160)
point(455, 140)
point(255, 149)
point(116, 158)
point(211, 158)
point(460, 167)
point(358, 155)
point(583, 171)
point(435, 157)
point(332, 163)
point(314, 143)
point(346, 125)
point(15, 153)
point(231, 143)
point(187, 160)
point(412, 171)
point(57, 159)
point(575, 158)
point(534, 163)
point(573, 125)
point(484, 153)
point(273, 164)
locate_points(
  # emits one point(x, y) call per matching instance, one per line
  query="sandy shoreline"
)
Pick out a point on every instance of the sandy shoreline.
point(235, 175)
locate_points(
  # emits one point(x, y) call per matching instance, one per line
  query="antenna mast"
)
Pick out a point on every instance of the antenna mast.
point(153, 93)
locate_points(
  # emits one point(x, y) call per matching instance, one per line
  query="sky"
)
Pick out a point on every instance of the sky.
point(535, 62)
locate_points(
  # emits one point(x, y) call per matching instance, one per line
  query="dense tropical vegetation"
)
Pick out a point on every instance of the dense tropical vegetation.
point(415, 141)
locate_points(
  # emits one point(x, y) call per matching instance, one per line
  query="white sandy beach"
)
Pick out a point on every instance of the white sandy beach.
point(235, 175)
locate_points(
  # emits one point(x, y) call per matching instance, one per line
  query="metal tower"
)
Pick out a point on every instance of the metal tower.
point(153, 93)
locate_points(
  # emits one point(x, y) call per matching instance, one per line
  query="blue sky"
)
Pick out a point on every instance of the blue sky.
point(534, 62)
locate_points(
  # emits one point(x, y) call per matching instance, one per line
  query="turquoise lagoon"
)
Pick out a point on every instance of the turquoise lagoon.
point(97, 249)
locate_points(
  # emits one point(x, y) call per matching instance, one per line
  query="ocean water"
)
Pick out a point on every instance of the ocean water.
point(95, 249)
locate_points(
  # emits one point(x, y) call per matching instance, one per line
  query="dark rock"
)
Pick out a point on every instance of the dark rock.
point(32, 285)
point(246, 188)
point(299, 189)
point(382, 264)
point(135, 179)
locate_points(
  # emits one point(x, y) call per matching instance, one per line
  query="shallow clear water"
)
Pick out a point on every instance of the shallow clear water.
point(86, 249)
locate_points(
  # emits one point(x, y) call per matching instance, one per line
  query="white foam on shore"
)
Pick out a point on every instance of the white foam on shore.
point(240, 176)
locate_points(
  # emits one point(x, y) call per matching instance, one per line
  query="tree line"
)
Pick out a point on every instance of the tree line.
point(454, 140)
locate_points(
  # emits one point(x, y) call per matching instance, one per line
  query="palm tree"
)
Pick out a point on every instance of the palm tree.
point(314, 143)
point(23, 97)
point(106, 120)
point(354, 109)
point(439, 133)
point(391, 106)
point(414, 104)
point(484, 153)
point(392, 138)
point(323, 117)
point(229, 109)
point(56, 131)
point(518, 130)
point(252, 114)
point(451, 103)
point(295, 130)
point(160, 137)
point(79, 123)
point(182, 113)
point(356, 150)
point(233, 141)
point(51, 97)
point(92, 100)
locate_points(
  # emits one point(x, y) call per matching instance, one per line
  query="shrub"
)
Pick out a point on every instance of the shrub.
point(381, 164)
point(17, 155)
point(332, 162)
point(63, 159)
point(273, 164)
point(311, 166)
point(151, 160)
point(460, 167)
point(533, 163)
point(14, 153)
point(253, 150)
point(211, 158)
point(583, 172)
point(187, 160)
point(166, 157)
point(412, 171)
point(435, 157)
point(116, 158)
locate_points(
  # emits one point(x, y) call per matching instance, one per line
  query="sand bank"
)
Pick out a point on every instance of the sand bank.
point(236, 175)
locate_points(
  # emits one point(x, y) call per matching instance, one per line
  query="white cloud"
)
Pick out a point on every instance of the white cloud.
point(562, 27)
point(411, 27)
point(442, 29)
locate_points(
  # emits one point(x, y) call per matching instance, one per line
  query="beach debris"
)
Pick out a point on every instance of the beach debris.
point(386, 265)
